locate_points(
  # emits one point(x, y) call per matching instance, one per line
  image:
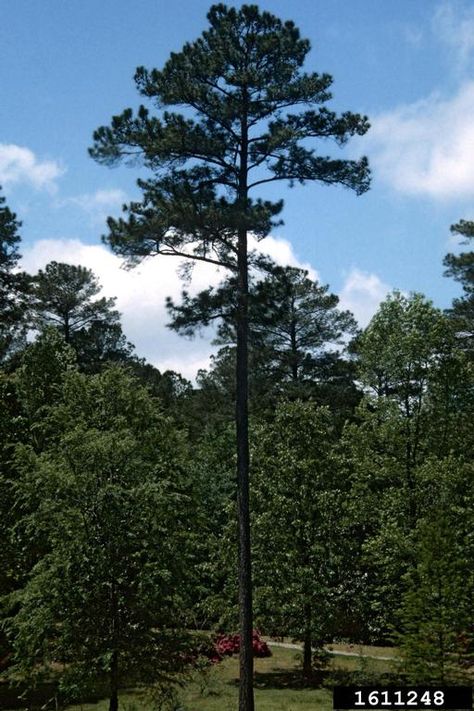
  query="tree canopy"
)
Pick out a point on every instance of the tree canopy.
point(239, 81)
point(13, 284)
point(461, 268)
point(66, 296)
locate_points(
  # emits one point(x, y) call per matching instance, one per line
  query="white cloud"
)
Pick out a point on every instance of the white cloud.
point(362, 293)
point(427, 148)
point(98, 205)
point(453, 25)
point(19, 164)
point(141, 295)
point(281, 251)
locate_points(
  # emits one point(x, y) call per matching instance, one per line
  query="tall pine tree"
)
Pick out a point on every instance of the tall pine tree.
point(238, 83)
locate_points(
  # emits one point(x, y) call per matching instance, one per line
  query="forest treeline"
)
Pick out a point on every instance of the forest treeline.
point(118, 489)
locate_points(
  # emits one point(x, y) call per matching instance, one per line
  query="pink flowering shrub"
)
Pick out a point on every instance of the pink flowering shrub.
point(229, 644)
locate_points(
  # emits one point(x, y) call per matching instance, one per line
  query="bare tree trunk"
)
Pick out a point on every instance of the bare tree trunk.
point(308, 644)
point(114, 663)
point(113, 703)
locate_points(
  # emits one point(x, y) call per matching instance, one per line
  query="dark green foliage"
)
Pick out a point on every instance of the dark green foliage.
point(213, 472)
point(65, 296)
point(461, 268)
point(12, 431)
point(171, 389)
point(13, 285)
point(25, 399)
point(294, 323)
point(40, 376)
point(102, 342)
point(110, 500)
point(240, 79)
point(437, 638)
point(292, 318)
point(298, 537)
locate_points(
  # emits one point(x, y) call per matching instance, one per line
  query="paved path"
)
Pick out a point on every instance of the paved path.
point(288, 645)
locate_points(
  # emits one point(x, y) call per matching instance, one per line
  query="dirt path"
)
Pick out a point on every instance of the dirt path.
point(299, 647)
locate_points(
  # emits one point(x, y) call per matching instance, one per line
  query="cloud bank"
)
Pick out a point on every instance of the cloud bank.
point(453, 25)
point(19, 164)
point(362, 293)
point(427, 148)
point(98, 205)
point(141, 294)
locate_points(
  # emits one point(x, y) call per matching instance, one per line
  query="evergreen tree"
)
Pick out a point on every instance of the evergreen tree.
point(461, 268)
point(293, 325)
point(66, 297)
point(100, 343)
point(238, 83)
point(13, 285)
point(169, 387)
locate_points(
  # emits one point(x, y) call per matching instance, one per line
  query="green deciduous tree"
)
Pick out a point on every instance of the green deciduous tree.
point(26, 397)
point(251, 115)
point(109, 498)
point(435, 619)
point(40, 377)
point(401, 354)
point(417, 403)
point(298, 538)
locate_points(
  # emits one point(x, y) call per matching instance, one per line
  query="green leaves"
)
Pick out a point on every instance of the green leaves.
point(109, 501)
point(435, 615)
point(296, 513)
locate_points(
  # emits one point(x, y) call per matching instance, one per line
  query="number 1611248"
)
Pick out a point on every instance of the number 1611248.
point(446, 697)
point(398, 697)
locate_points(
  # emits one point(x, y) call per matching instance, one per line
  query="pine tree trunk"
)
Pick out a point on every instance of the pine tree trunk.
point(294, 346)
point(246, 700)
point(308, 644)
point(113, 703)
point(67, 335)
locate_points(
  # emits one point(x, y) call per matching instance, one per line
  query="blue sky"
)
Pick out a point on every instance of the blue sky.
point(68, 66)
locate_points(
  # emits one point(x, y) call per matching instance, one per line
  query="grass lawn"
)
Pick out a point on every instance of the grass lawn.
point(278, 686)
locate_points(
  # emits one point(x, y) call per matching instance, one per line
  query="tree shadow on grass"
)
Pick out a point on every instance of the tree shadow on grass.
point(284, 679)
point(44, 696)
